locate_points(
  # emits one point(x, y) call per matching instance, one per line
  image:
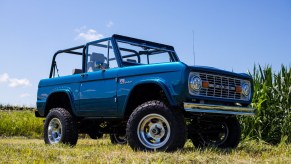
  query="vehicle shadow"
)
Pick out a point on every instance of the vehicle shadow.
point(207, 149)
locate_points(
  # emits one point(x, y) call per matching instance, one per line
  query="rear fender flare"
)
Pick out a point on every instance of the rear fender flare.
point(69, 95)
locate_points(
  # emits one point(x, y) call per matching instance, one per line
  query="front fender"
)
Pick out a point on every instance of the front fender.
point(162, 84)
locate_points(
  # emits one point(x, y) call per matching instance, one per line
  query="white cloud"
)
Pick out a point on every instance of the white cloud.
point(14, 82)
point(19, 83)
point(4, 77)
point(88, 35)
point(110, 24)
point(24, 95)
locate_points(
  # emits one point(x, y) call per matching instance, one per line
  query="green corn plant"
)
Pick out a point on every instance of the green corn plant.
point(272, 99)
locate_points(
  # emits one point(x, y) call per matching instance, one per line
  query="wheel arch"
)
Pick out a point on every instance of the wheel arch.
point(62, 99)
point(156, 85)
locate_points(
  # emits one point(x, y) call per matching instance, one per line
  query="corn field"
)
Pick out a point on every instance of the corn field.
point(272, 99)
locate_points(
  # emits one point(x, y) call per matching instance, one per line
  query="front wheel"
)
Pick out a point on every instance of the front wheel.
point(60, 127)
point(153, 126)
point(221, 133)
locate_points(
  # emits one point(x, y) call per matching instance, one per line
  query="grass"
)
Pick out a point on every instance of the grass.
point(20, 123)
point(32, 149)
point(22, 150)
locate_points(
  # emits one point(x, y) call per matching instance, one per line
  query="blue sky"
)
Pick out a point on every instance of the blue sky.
point(230, 35)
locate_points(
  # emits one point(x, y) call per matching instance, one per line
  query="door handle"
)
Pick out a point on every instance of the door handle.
point(84, 75)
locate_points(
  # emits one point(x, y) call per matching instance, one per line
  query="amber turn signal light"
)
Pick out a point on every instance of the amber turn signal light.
point(205, 84)
point(238, 89)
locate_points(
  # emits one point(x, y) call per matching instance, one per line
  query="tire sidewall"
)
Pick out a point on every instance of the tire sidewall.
point(114, 138)
point(144, 110)
point(69, 126)
point(232, 140)
point(53, 114)
point(234, 135)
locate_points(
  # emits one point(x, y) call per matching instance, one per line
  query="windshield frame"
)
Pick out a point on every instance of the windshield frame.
point(144, 43)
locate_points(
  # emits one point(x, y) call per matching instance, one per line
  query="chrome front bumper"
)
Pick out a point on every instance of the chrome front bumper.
point(218, 109)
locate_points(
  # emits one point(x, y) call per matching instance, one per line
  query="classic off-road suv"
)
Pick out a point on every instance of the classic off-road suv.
point(140, 93)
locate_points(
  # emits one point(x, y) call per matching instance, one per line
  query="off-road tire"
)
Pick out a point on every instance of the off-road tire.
point(174, 117)
point(68, 126)
point(232, 140)
point(118, 139)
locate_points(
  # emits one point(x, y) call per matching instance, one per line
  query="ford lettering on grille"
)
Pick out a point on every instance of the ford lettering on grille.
point(220, 86)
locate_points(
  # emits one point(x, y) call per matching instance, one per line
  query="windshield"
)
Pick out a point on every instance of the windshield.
point(134, 53)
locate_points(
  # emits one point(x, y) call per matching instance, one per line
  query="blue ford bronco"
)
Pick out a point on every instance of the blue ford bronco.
point(141, 94)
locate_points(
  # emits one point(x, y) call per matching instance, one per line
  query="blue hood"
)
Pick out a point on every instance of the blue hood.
point(219, 71)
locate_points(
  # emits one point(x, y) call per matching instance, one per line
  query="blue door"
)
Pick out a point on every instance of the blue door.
point(98, 93)
point(98, 85)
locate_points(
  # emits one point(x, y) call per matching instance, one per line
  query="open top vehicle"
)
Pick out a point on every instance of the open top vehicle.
point(140, 93)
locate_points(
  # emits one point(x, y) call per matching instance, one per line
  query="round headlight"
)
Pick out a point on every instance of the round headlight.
point(195, 83)
point(246, 89)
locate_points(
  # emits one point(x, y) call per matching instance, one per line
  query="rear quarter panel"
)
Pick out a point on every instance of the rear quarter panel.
point(68, 84)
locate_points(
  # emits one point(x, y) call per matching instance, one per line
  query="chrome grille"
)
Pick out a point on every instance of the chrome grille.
point(220, 86)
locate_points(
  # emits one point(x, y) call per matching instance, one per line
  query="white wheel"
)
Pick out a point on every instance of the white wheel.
point(155, 127)
point(55, 130)
point(60, 127)
point(153, 131)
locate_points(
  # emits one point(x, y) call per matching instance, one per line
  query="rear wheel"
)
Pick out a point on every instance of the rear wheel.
point(221, 133)
point(116, 138)
point(153, 126)
point(60, 127)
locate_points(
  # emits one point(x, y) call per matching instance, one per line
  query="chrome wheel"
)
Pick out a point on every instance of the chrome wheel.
point(55, 131)
point(217, 135)
point(118, 138)
point(153, 131)
point(60, 127)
